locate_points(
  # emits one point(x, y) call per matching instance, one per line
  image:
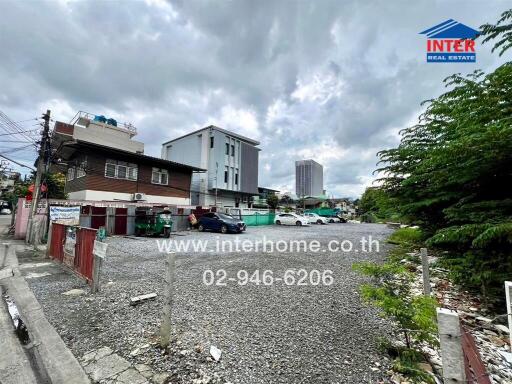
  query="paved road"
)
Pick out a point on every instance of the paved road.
point(273, 333)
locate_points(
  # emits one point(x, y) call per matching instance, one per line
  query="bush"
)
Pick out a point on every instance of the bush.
point(406, 236)
point(368, 218)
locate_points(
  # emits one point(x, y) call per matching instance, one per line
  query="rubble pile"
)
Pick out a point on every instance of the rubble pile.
point(490, 332)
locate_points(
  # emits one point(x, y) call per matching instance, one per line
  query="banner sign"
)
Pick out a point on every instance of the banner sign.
point(65, 215)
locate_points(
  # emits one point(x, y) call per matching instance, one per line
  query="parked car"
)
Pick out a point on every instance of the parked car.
point(290, 219)
point(314, 218)
point(222, 222)
point(5, 211)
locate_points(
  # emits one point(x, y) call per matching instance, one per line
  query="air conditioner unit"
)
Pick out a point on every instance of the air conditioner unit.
point(139, 196)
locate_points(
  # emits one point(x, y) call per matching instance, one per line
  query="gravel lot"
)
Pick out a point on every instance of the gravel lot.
point(267, 334)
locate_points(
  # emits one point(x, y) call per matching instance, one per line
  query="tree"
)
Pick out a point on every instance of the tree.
point(272, 201)
point(55, 183)
point(377, 201)
point(450, 170)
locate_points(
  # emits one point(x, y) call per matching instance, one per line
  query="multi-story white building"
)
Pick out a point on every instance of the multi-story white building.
point(231, 161)
point(309, 178)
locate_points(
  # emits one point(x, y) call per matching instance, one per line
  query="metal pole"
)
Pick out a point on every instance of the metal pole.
point(165, 327)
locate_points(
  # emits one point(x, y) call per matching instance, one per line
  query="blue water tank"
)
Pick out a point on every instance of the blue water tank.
point(100, 118)
point(112, 122)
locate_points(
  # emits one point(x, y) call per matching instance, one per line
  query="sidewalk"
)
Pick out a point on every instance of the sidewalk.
point(45, 358)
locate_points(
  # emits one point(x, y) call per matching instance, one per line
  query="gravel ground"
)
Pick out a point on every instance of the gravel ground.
point(267, 334)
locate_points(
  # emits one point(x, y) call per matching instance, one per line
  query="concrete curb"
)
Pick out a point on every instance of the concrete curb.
point(54, 358)
point(15, 366)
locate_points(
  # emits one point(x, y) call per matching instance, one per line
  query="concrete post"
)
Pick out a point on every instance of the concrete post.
point(426, 272)
point(165, 327)
point(450, 339)
point(96, 272)
point(508, 294)
point(3, 254)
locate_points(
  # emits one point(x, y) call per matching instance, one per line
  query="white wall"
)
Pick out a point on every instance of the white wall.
point(88, 194)
point(108, 136)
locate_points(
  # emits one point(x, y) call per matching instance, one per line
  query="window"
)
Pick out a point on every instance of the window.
point(211, 141)
point(227, 148)
point(236, 178)
point(80, 170)
point(120, 170)
point(232, 150)
point(226, 175)
point(160, 176)
point(71, 173)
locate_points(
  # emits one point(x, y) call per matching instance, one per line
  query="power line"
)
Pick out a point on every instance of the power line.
point(15, 162)
point(27, 131)
point(11, 127)
point(17, 149)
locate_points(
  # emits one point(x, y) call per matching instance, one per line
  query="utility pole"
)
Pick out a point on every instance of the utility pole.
point(41, 167)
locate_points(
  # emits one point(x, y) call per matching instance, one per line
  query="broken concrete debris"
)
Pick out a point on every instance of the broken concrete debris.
point(140, 299)
point(215, 352)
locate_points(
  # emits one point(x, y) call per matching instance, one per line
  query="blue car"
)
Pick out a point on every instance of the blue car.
point(221, 222)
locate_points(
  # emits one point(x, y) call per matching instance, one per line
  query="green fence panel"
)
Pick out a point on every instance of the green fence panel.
point(258, 219)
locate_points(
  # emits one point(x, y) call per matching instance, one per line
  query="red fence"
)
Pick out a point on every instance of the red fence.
point(58, 237)
point(475, 369)
point(84, 258)
point(79, 255)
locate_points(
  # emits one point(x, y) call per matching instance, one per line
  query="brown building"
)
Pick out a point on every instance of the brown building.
point(118, 171)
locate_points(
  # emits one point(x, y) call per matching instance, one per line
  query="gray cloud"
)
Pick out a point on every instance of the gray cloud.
point(329, 80)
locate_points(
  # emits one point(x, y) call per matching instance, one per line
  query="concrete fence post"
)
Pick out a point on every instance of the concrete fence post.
point(99, 253)
point(426, 272)
point(508, 294)
point(450, 339)
point(96, 273)
point(165, 327)
point(3, 254)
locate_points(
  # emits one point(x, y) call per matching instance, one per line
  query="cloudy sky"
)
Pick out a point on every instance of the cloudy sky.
point(328, 80)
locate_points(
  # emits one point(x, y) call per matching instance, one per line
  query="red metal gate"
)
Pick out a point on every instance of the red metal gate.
point(98, 217)
point(57, 241)
point(121, 220)
point(84, 258)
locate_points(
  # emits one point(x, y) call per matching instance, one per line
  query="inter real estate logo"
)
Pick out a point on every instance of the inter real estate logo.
point(450, 42)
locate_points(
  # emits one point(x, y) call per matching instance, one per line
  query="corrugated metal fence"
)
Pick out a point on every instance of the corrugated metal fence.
point(475, 369)
point(78, 249)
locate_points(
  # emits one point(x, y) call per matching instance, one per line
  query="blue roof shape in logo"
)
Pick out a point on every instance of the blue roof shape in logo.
point(450, 29)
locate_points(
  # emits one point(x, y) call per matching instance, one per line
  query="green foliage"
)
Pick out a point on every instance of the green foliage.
point(500, 31)
point(406, 236)
point(55, 183)
point(450, 171)
point(272, 201)
point(368, 218)
point(407, 364)
point(377, 203)
point(416, 315)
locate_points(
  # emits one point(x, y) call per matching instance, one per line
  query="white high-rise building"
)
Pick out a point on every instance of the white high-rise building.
point(309, 178)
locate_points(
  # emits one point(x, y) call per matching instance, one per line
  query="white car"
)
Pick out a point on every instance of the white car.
point(5, 211)
point(314, 218)
point(290, 219)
